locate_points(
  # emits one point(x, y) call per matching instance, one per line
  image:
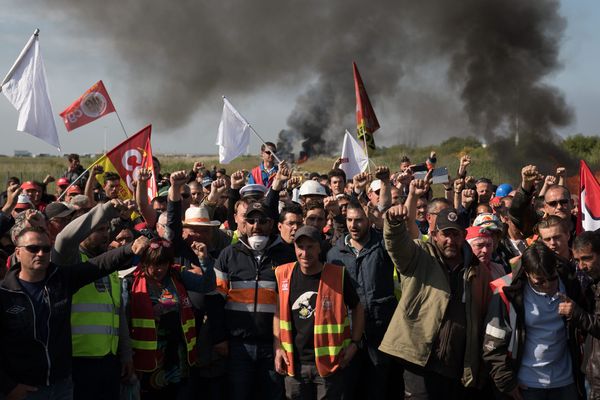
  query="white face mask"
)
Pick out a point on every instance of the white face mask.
point(258, 243)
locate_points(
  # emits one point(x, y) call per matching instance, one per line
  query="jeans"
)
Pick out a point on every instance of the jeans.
point(309, 385)
point(61, 390)
point(562, 393)
point(252, 373)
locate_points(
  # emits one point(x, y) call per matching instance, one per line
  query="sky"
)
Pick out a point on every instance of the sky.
point(75, 59)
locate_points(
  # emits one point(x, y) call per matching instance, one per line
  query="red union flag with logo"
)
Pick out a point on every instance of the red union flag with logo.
point(94, 103)
point(366, 121)
point(126, 160)
point(588, 218)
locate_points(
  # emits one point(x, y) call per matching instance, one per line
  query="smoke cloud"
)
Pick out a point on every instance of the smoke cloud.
point(432, 68)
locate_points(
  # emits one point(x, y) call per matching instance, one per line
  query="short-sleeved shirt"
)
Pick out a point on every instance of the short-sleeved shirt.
point(303, 300)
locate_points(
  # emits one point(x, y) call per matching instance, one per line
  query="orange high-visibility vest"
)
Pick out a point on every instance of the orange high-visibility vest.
point(143, 324)
point(497, 286)
point(332, 326)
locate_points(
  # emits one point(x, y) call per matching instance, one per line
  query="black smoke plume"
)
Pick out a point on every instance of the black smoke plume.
point(433, 68)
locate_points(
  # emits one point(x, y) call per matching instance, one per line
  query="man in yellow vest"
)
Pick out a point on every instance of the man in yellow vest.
point(101, 347)
point(313, 338)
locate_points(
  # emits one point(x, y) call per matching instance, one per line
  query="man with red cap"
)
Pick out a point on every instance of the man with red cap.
point(61, 185)
point(482, 244)
point(34, 191)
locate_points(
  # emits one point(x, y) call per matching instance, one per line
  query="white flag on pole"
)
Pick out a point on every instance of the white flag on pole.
point(26, 89)
point(234, 134)
point(354, 159)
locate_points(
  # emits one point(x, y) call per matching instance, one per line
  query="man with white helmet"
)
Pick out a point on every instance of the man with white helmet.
point(312, 191)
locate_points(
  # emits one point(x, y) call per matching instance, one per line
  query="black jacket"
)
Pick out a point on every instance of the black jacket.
point(500, 333)
point(372, 275)
point(24, 358)
point(238, 264)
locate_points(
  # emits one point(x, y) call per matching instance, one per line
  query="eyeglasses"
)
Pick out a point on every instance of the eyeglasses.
point(34, 248)
point(155, 244)
point(555, 203)
point(259, 221)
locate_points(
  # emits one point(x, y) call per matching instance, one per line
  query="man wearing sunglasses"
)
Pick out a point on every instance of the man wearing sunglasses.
point(557, 201)
point(264, 173)
point(530, 349)
point(35, 311)
point(246, 279)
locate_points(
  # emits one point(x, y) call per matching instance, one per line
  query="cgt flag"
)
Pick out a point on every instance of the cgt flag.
point(588, 218)
point(126, 160)
point(93, 104)
point(366, 121)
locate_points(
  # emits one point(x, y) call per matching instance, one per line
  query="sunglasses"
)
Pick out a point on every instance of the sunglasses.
point(160, 243)
point(259, 221)
point(34, 248)
point(554, 203)
point(269, 152)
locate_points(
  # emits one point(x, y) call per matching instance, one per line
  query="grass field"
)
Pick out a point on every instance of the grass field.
point(36, 168)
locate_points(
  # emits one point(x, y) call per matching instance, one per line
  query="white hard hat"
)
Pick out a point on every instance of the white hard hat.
point(312, 188)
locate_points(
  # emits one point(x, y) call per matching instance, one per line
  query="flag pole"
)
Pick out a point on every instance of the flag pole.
point(122, 126)
point(18, 61)
point(367, 153)
point(77, 179)
point(256, 133)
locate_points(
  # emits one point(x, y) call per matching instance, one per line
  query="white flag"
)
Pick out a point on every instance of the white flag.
point(26, 89)
point(234, 134)
point(354, 159)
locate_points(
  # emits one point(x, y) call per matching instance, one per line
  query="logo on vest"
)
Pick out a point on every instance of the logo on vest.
point(326, 305)
point(285, 286)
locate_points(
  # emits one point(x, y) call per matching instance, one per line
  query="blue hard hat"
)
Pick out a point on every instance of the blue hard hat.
point(503, 189)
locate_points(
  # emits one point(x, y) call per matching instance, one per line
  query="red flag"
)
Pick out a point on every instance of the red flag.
point(588, 218)
point(94, 103)
point(126, 160)
point(366, 121)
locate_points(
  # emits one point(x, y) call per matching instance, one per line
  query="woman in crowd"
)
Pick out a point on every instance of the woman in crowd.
point(163, 330)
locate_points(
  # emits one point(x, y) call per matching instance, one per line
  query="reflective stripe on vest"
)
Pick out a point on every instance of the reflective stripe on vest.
point(331, 328)
point(241, 296)
point(95, 318)
point(143, 325)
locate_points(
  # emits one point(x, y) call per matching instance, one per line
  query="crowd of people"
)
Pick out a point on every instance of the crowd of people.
point(270, 285)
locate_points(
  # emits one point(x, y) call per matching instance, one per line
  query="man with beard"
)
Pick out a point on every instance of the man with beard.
point(246, 279)
point(102, 352)
point(557, 201)
point(586, 251)
point(362, 252)
point(435, 329)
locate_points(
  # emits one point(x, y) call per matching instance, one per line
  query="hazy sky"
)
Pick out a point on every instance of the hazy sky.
point(76, 58)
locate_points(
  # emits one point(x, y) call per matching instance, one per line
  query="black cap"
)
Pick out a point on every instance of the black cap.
point(310, 232)
point(260, 208)
point(58, 209)
point(447, 219)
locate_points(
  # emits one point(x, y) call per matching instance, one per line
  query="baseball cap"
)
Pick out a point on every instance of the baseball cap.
point(74, 189)
point(29, 185)
point(206, 181)
point(58, 210)
point(310, 232)
point(375, 185)
point(260, 208)
point(63, 182)
point(447, 219)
